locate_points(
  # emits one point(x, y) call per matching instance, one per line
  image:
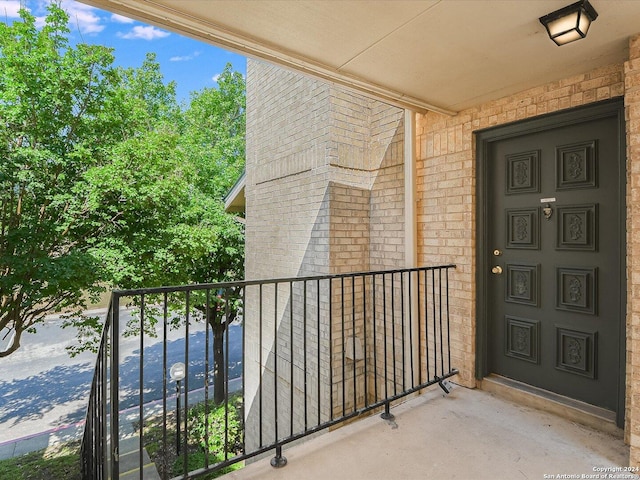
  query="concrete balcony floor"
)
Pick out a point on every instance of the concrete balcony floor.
point(467, 434)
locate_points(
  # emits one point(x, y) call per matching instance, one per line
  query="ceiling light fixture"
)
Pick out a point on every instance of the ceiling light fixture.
point(570, 23)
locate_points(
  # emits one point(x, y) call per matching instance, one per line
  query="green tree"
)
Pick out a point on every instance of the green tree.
point(160, 197)
point(214, 140)
point(143, 102)
point(106, 181)
point(214, 135)
point(53, 125)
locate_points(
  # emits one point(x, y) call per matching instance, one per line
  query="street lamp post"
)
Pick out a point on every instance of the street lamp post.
point(177, 373)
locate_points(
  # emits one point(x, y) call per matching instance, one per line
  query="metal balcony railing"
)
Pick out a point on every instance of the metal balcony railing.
point(276, 359)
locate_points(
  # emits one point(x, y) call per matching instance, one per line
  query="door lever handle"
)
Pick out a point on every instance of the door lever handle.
point(497, 270)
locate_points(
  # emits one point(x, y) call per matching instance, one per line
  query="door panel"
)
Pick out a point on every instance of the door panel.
point(553, 239)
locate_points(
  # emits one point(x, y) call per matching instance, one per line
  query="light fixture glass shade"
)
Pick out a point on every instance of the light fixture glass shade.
point(570, 23)
point(177, 371)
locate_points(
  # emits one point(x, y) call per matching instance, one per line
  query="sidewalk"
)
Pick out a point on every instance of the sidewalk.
point(66, 433)
point(40, 441)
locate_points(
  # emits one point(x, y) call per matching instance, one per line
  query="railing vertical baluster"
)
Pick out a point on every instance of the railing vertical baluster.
point(319, 352)
point(375, 339)
point(275, 362)
point(330, 350)
point(387, 414)
point(364, 339)
point(384, 335)
point(426, 323)
point(440, 314)
point(353, 341)
point(402, 333)
point(393, 335)
point(435, 338)
point(102, 407)
point(410, 307)
point(277, 461)
point(227, 327)
point(115, 388)
point(141, 388)
point(244, 371)
point(419, 320)
point(291, 304)
point(342, 345)
point(413, 306)
point(165, 316)
point(260, 422)
point(185, 453)
point(304, 349)
point(207, 346)
point(98, 426)
point(448, 321)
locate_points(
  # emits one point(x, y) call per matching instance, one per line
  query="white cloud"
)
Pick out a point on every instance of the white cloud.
point(121, 19)
point(83, 17)
point(216, 77)
point(185, 58)
point(143, 33)
point(9, 8)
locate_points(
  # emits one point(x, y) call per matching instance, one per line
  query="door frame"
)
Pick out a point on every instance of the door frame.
point(484, 138)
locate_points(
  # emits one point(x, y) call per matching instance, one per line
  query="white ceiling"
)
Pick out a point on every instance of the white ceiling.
point(442, 55)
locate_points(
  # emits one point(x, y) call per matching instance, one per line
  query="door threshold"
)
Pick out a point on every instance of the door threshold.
point(565, 407)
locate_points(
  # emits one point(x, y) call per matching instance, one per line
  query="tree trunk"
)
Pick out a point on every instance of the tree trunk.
point(219, 386)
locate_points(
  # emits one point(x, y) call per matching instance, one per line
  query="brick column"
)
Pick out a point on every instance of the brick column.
point(632, 105)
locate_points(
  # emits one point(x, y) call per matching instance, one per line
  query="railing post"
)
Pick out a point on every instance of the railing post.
point(115, 387)
point(102, 415)
point(387, 415)
point(278, 461)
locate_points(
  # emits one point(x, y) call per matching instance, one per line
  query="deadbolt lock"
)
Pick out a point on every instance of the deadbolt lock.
point(497, 253)
point(497, 270)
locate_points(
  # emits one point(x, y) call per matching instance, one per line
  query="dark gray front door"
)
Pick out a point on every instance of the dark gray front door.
point(554, 225)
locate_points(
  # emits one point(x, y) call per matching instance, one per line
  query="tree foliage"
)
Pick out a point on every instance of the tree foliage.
point(106, 180)
point(215, 133)
point(52, 101)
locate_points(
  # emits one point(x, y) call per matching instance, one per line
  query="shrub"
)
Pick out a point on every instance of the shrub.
point(212, 422)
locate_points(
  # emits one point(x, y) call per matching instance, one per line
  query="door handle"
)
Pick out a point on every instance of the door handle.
point(497, 270)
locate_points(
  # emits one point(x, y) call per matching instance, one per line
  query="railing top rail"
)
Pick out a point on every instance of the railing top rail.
point(244, 283)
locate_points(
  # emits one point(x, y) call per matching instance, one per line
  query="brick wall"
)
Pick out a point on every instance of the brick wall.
point(287, 228)
point(287, 173)
point(387, 191)
point(632, 107)
point(325, 191)
point(447, 202)
point(323, 167)
point(446, 183)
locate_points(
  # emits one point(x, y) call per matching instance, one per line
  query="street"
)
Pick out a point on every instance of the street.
point(42, 388)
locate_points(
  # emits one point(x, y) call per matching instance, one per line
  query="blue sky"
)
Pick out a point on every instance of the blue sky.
point(191, 64)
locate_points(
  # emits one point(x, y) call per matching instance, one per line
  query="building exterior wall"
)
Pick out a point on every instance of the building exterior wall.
point(446, 186)
point(324, 170)
point(446, 191)
point(632, 108)
point(287, 224)
point(287, 173)
point(325, 194)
